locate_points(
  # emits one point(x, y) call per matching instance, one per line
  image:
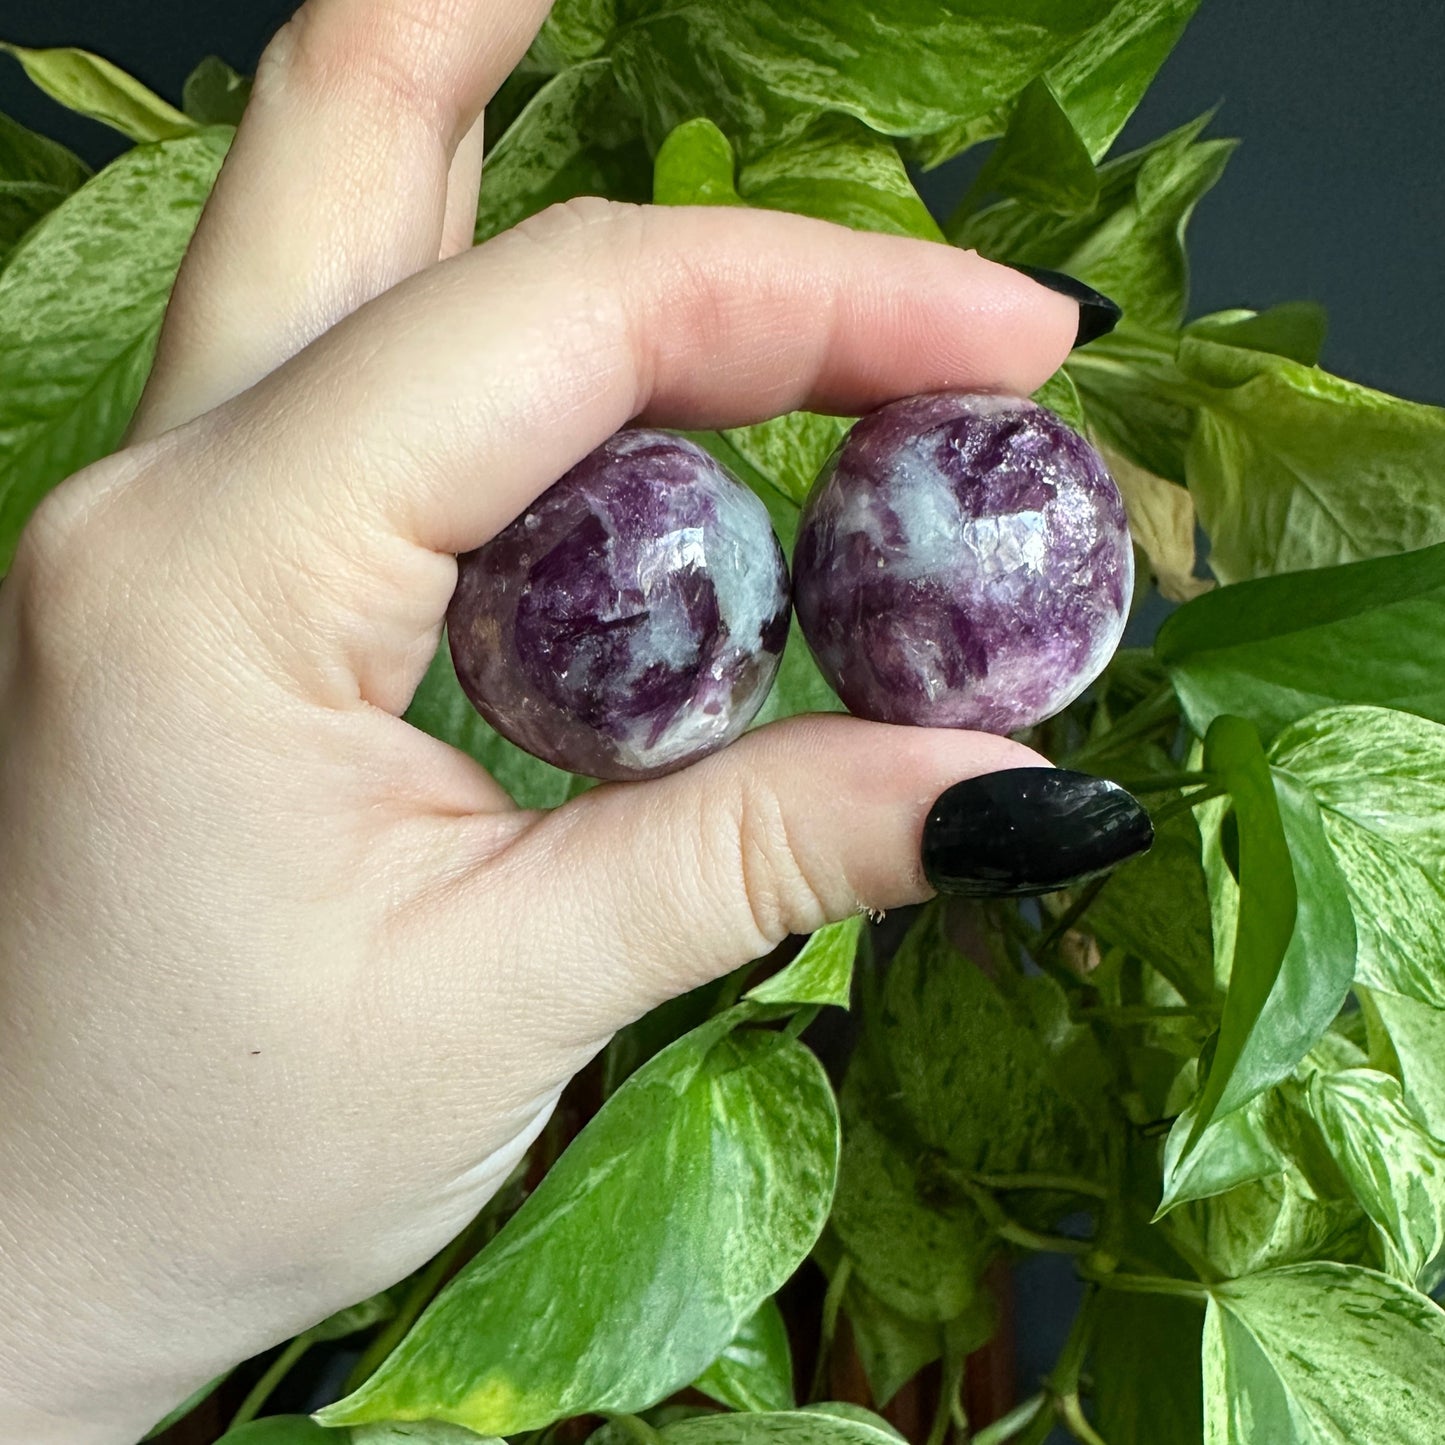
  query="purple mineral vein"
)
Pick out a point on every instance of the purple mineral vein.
point(632, 619)
point(963, 561)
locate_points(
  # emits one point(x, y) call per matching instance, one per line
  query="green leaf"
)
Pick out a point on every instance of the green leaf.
point(36, 174)
point(1104, 77)
point(1148, 1388)
point(1130, 244)
point(1293, 329)
point(1157, 908)
point(687, 1200)
point(854, 1414)
point(821, 973)
point(282, 1430)
point(413, 1432)
point(633, 1046)
point(956, 1079)
point(1417, 1040)
point(764, 72)
point(81, 304)
point(917, 1247)
point(790, 450)
point(93, 87)
point(574, 30)
point(1279, 1003)
point(839, 170)
point(1298, 1208)
point(1062, 398)
point(1234, 1149)
point(1041, 159)
point(1393, 1166)
point(891, 1347)
point(1325, 1354)
point(755, 1372)
point(1278, 1220)
point(441, 708)
point(694, 167)
point(1292, 468)
point(826, 1424)
point(1138, 402)
point(1279, 648)
point(1267, 914)
point(577, 136)
point(215, 94)
point(1378, 778)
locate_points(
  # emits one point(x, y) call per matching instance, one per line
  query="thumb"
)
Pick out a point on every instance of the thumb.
point(666, 884)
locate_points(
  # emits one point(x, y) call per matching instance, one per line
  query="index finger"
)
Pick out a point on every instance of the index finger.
point(457, 398)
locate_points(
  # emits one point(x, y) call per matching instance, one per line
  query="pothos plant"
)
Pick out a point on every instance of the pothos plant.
point(1215, 1080)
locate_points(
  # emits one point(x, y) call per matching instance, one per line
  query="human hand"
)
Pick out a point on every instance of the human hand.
point(289, 986)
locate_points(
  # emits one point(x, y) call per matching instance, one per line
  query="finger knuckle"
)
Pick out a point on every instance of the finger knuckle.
point(578, 220)
point(319, 53)
point(784, 894)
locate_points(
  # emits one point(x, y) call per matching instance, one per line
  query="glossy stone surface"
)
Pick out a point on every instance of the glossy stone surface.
point(632, 619)
point(963, 561)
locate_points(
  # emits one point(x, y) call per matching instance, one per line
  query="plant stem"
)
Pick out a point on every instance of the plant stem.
point(1007, 1428)
point(1070, 916)
point(1186, 803)
point(1062, 1183)
point(1008, 1228)
point(1064, 1377)
point(800, 1020)
point(828, 1327)
point(948, 1397)
point(1158, 708)
point(261, 1391)
point(417, 1299)
point(1164, 782)
point(1071, 1411)
point(1147, 1284)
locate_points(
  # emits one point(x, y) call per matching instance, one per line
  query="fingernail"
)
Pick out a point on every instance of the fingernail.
point(1030, 830)
point(1098, 315)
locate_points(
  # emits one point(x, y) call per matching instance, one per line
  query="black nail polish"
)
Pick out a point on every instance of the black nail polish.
point(1098, 315)
point(1030, 830)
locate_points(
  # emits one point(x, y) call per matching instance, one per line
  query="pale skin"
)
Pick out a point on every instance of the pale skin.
point(286, 986)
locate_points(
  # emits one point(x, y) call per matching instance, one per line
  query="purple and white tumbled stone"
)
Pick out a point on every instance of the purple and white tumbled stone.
point(632, 619)
point(963, 561)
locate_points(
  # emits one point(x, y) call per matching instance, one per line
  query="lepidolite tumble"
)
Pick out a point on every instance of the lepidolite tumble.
point(632, 619)
point(963, 561)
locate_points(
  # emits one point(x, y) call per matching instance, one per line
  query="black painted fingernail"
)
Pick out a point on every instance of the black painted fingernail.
point(1098, 315)
point(1030, 830)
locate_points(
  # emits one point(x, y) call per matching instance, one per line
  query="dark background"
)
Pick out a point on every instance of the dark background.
point(1337, 195)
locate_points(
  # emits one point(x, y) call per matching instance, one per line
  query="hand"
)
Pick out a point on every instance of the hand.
point(288, 986)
